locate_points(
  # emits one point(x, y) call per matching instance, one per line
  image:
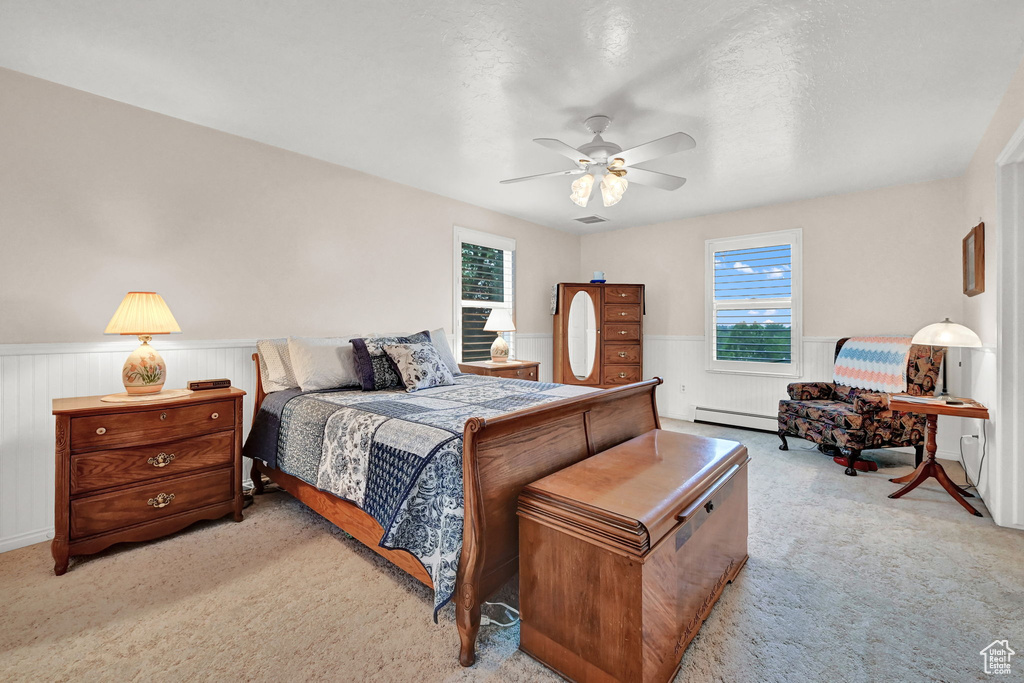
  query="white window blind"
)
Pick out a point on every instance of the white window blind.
point(753, 309)
point(484, 280)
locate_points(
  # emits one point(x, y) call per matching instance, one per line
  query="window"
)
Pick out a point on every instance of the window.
point(484, 279)
point(753, 309)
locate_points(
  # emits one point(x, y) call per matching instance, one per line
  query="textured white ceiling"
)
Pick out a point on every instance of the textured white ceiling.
point(786, 100)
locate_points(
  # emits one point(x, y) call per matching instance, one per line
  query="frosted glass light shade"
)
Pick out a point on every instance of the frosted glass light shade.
point(946, 333)
point(581, 188)
point(142, 313)
point(612, 188)
point(500, 320)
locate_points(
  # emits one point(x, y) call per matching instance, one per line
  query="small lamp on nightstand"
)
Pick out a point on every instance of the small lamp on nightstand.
point(500, 320)
point(946, 333)
point(143, 314)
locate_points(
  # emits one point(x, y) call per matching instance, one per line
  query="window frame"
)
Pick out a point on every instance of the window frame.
point(483, 239)
point(793, 238)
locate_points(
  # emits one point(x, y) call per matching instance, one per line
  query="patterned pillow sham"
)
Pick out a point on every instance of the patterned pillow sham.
point(276, 373)
point(375, 369)
point(419, 365)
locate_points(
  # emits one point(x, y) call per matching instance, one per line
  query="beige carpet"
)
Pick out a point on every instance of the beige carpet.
point(842, 584)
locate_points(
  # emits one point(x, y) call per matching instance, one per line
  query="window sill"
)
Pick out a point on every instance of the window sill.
point(786, 374)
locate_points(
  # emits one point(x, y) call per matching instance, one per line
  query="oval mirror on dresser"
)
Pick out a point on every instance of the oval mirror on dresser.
point(582, 341)
point(598, 334)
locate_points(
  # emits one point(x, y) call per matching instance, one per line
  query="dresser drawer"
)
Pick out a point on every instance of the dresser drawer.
point(616, 294)
point(620, 333)
point(150, 426)
point(109, 511)
point(621, 374)
point(529, 373)
point(103, 469)
point(622, 354)
point(627, 313)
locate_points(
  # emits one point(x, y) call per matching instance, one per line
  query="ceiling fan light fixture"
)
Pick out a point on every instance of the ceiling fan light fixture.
point(613, 187)
point(581, 189)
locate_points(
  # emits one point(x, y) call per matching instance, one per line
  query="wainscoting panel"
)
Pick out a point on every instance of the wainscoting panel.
point(32, 375)
point(536, 346)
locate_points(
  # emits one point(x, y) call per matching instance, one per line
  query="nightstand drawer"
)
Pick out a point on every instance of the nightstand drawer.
point(103, 469)
point(517, 373)
point(149, 502)
point(150, 426)
point(621, 374)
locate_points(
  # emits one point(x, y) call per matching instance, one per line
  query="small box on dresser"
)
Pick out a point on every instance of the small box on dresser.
point(139, 471)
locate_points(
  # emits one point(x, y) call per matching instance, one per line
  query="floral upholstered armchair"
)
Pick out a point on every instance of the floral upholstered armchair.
point(844, 421)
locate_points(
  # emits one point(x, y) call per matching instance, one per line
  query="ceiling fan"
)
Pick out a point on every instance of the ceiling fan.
point(616, 163)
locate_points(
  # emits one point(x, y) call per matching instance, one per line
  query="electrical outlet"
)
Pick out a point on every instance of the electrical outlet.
point(682, 388)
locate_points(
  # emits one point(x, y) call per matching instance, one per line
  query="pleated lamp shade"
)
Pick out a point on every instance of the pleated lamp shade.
point(142, 313)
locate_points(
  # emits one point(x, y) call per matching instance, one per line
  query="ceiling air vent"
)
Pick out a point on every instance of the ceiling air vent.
point(592, 219)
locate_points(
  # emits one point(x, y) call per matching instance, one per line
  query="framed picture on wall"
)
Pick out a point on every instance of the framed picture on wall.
point(974, 260)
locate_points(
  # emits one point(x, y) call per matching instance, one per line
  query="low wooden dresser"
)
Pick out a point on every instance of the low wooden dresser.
point(513, 369)
point(135, 472)
point(623, 555)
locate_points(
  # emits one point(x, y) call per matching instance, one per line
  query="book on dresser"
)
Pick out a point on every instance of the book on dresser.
point(139, 471)
point(598, 334)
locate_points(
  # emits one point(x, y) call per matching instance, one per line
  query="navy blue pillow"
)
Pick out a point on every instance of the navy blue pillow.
point(375, 368)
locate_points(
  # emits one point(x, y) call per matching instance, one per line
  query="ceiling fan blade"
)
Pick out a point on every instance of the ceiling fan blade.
point(670, 144)
point(663, 181)
point(565, 150)
point(572, 171)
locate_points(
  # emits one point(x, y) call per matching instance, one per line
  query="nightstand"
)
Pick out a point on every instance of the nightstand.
point(139, 471)
point(513, 369)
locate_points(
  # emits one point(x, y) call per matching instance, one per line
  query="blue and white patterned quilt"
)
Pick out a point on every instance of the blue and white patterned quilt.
point(396, 455)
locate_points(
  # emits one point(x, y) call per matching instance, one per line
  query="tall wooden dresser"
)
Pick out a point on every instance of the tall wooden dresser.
point(599, 334)
point(134, 472)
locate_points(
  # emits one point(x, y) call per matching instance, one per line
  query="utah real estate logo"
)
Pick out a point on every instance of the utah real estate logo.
point(997, 657)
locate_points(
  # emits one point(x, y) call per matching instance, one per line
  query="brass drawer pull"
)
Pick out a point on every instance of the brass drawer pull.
point(101, 430)
point(622, 374)
point(161, 501)
point(622, 354)
point(163, 416)
point(215, 416)
point(519, 373)
point(622, 313)
point(622, 332)
point(161, 460)
point(623, 295)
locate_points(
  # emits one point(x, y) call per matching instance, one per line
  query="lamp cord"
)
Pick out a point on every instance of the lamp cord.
point(984, 452)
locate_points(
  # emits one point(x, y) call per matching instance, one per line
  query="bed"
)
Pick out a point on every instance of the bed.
point(438, 496)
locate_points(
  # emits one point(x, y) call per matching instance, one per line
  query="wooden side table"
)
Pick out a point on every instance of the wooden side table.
point(134, 472)
point(513, 369)
point(930, 467)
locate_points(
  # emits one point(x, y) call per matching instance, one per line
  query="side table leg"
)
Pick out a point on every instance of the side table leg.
point(953, 490)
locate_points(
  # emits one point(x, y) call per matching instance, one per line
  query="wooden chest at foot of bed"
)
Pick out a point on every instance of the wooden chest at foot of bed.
point(623, 555)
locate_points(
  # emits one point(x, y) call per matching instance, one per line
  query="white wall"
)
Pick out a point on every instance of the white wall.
point(243, 240)
point(877, 262)
point(980, 312)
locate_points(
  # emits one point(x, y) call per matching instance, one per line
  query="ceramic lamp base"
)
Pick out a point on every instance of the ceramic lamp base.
point(145, 371)
point(499, 350)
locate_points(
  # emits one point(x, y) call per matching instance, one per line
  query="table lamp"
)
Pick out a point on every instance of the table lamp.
point(946, 333)
point(500, 320)
point(143, 314)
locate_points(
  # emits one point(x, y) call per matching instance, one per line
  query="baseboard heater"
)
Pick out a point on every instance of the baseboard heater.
point(734, 418)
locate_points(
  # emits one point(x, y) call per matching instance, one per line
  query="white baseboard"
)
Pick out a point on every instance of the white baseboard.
point(24, 539)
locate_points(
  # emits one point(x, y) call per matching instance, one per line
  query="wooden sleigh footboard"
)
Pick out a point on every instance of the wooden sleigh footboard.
point(500, 456)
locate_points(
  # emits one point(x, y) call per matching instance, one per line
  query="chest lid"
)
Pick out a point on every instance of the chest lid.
point(631, 495)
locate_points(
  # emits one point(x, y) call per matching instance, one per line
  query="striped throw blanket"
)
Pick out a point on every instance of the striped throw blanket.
point(875, 363)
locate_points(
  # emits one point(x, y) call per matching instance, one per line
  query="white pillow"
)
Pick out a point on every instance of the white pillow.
point(276, 372)
point(440, 342)
point(324, 362)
